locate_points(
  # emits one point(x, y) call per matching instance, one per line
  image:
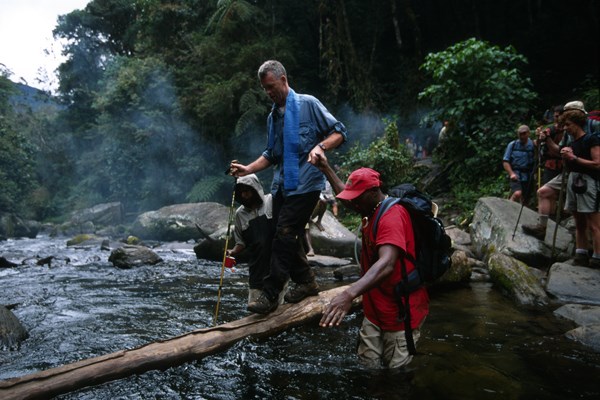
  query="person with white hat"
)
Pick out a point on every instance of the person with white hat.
point(582, 158)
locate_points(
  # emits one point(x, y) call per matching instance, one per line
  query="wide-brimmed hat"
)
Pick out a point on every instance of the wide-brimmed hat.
point(358, 182)
point(574, 105)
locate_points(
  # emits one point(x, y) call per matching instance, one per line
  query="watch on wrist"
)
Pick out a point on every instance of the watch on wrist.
point(322, 146)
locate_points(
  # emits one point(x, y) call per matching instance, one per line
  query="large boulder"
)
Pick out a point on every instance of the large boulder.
point(493, 227)
point(12, 331)
point(335, 240)
point(574, 284)
point(520, 282)
point(11, 225)
point(130, 256)
point(105, 214)
point(182, 222)
point(90, 220)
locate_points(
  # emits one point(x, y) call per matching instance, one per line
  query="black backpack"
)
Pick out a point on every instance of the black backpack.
point(433, 247)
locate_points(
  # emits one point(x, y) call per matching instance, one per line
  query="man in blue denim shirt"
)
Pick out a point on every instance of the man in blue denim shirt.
point(299, 129)
point(518, 162)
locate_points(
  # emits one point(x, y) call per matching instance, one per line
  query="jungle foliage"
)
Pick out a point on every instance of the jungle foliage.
point(156, 96)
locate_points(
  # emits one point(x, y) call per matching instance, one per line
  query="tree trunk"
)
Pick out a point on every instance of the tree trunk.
point(164, 354)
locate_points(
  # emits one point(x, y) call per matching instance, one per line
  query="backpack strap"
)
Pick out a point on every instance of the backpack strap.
point(401, 290)
point(387, 203)
point(405, 293)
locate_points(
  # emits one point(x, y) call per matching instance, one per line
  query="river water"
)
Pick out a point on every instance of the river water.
point(476, 344)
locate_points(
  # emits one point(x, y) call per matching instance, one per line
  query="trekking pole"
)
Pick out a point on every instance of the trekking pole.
point(519, 217)
point(525, 193)
point(563, 185)
point(229, 221)
point(539, 168)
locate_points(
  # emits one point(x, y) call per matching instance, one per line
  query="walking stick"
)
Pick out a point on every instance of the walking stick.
point(563, 185)
point(525, 194)
point(229, 221)
point(519, 217)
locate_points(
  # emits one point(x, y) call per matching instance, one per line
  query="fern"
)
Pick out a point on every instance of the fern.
point(207, 188)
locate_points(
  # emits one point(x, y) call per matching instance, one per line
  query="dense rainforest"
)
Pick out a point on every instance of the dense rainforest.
point(156, 96)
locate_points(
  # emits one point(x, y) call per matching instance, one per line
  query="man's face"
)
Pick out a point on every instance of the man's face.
point(276, 88)
point(523, 136)
point(363, 204)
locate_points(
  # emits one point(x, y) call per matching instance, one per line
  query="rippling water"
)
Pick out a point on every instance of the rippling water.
point(474, 345)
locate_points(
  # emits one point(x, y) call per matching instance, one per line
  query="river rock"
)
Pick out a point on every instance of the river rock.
point(460, 270)
point(86, 240)
point(4, 263)
point(106, 214)
point(133, 256)
point(183, 222)
point(492, 231)
point(588, 335)
point(581, 314)
point(12, 331)
point(335, 240)
point(519, 281)
point(574, 284)
point(11, 225)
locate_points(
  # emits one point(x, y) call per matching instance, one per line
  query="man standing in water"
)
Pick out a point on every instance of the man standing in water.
point(383, 335)
point(299, 129)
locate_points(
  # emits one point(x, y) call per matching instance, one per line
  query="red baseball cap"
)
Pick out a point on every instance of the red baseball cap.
point(360, 180)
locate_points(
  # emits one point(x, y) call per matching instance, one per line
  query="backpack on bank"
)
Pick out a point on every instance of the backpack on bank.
point(433, 247)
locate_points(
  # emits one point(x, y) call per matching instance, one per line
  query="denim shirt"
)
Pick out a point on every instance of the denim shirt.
point(520, 157)
point(316, 123)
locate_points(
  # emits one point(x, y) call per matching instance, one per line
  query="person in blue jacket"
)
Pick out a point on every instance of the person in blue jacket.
point(518, 162)
point(299, 129)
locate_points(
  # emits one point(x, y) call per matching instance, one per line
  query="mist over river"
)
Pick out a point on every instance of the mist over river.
point(475, 344)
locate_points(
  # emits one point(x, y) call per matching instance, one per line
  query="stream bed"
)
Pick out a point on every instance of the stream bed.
point(475, 344)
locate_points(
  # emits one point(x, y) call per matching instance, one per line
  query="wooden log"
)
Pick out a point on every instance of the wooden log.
point(163, 354)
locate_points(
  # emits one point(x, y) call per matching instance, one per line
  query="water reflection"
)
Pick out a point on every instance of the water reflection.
point(475, 344)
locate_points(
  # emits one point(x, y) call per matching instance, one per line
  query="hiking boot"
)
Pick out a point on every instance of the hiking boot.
point(301, 291)
point(581, 259)
point(537, 231)
point(594, 263)
point(262, 305)
point(253, 295)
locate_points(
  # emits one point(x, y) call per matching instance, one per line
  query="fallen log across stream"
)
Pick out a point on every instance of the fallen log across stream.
point(165, 353)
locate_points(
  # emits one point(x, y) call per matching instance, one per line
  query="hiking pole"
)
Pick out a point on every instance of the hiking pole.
point(527, 191)
point(563, 186)
point(524, 195)
point(539, 168)
point(229, 221)
point(519, 217)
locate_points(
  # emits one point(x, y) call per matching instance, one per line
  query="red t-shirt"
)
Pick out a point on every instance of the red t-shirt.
point(379, 303)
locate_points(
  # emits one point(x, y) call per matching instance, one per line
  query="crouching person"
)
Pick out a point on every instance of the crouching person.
point(253, 231)
point(384, 339)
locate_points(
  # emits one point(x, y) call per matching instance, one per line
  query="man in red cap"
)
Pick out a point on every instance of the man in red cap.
point(382, 334)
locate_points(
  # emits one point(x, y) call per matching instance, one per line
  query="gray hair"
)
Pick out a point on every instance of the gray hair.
point(272, 66)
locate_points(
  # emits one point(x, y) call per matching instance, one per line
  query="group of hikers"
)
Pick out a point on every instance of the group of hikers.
point(568, 152)
point(300, 132)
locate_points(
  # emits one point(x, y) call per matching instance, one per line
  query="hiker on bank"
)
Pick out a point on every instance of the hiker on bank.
point(549, 138)
point(325, 198)
point(299, 129)
point(518, 162)
point(382, 336)
point(253, 231)
point(583, 187)
point(548, 194)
